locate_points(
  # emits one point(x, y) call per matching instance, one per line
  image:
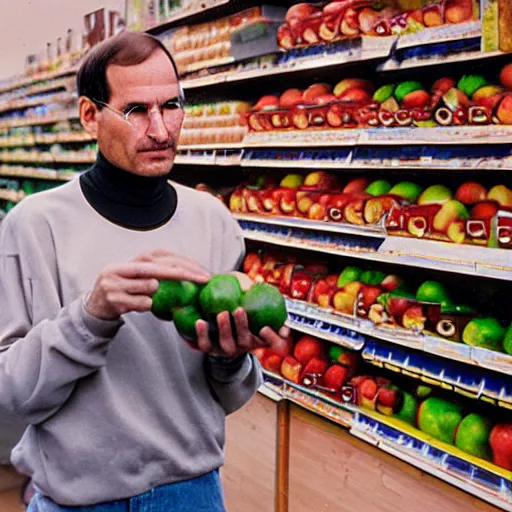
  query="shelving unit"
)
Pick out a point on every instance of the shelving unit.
point(470, 372)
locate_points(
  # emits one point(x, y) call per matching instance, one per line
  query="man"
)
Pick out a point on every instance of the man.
point(122, 413)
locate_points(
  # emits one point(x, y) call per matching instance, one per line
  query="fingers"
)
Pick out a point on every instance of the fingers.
point(245, 340)
point(167, 258)
point(226, 340)
point(277, 342)
point(150, 270)
point(203, 341)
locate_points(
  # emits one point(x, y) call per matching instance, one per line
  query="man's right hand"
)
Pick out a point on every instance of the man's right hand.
point(130, 286)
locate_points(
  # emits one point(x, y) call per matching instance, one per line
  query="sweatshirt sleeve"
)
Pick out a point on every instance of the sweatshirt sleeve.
point(45, 347)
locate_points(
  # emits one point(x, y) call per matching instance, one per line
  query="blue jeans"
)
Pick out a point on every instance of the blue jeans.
point(202, 494)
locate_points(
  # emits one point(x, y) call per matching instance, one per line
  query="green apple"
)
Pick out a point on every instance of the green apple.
point(472, 436)
point(469, 84)
point(435, 194)
point(484, 333)
point(384, 93)
point(405, 88)
point(378, 188)
point(439, 419)
point(432, 291)
point(292, 181)
point(409, 409)
point(408, 190)
point(507, 341)
point(348, 275)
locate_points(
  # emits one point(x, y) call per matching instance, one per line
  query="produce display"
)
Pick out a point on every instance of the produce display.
point(356, 103)
point(387, 300)
point(470, 214)
point(185, 303)
point(221, 122)
point(309, 23)
point(338, 373)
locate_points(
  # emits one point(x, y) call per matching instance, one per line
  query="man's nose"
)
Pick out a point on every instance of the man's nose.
point(157, 130)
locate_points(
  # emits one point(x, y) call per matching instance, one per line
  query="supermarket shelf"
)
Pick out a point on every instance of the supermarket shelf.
point(476, 476)
point(25, 103)
point(221, 158)
point(35, 173)
point(368, 49)
point(48, 158)
point(476, 382)
point(206, 8)
point(413, 252)
point(211, 147)
point(450, 135)
point(38, 121)
point(14, 196)
point(324, 322)
point(45, 138)
point(343, 228)
point(50, 75)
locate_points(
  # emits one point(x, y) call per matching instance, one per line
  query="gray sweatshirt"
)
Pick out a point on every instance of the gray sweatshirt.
point(114, 407)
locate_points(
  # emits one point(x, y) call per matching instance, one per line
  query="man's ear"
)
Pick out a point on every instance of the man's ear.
point(88, 115)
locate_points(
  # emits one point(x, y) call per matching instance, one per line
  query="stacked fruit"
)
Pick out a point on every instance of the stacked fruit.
point(310, 362)
point(221, 122)
point(472, 214)
point(331, 370)
point(357, 103)
point(384, 299)
point(185, 302)
point(343, 19)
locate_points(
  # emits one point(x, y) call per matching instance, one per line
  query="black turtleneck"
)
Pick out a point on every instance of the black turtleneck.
point(129, 200)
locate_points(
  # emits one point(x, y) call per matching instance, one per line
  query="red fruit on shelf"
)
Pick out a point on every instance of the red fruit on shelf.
point(458, 11)
point(356, 95)
point(504, 112)
point(368, 393)
point(306, 348)
point(414, 319)
point(471, 192)
point(367, 19)
point(291, 369)
point(443, 85)
point(285, 38)
point(389, 399)
point(325, 99)
point(272, 362)
point(369, 295)
point(500, 441)
point(290, 98)
point(390, 283)
point(299, 12)
point(314, 91)
point(301, 284)
point(416, 99)
point(336, 206)
point(334, 377)
point(356, 185)
point(484, 210)
point(433, 16)
point(250, 260)
point(506, 76)
point(353, 83)
point(315, 366)
point(353, 212)
point(268, 102)
point(260, 353)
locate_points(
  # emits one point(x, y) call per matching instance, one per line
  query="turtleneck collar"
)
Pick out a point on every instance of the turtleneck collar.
point(129, 200)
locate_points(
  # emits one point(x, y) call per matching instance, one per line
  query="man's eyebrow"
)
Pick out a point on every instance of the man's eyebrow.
point(133, 104)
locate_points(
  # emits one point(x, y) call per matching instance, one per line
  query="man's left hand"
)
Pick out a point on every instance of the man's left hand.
point(232, 344)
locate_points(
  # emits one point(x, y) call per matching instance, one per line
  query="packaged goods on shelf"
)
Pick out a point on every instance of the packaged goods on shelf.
point(496, 25)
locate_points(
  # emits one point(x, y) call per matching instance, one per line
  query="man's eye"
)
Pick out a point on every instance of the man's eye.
point(137, 109)
point(172, 105)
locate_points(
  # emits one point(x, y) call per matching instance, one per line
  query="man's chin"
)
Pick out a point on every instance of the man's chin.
point(156, 166)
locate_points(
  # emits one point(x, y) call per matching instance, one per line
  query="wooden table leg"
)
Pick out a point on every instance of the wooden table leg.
point(282, 456)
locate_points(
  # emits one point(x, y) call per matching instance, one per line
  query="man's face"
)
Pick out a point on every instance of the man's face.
point(146, 149)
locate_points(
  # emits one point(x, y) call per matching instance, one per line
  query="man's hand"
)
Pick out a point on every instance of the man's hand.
point(130, 286)
point(232, 344)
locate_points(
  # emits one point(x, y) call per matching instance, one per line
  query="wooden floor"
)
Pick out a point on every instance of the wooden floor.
point(10, 484)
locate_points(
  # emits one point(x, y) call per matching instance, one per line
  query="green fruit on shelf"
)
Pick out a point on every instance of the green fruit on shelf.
point(469, 84)
point(405, 88)
point(507, 341)
point(292, 181)
point(171, 295)
point(432, 291)
point(221, 293)
point(378, 188)
point(265, 306)
point(472, 436)
point(423, 391)
point(372, 277)
point(348, 275)
point(439, 419)
point(384, 93)
point(409, 409)
point(408, 190)
point(435, 194)
point(484, 333)
point(185, 319)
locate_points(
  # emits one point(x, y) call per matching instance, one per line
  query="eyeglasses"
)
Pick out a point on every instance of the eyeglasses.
point(138, 115)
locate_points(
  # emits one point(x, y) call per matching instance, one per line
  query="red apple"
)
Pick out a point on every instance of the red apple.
point(369, 295)
point(356, 95)
point(484, 210)
point(314, 91)
point(443, 85)
point(458, 11)
point(306, 348)
point(506, 76)
point(272, 362)
point(335, 376)
point(504, 112)
point(471, 192)
point(325, 99)
point(284, 37)
point(291, 369)
point(368, 393)
point(501, 445)
point(319, 180)
point(298, 12)
point(356, 185)
point(268, 102)
point(301, 284)
point(416, 99)
point(250, 260)
point(390, 283)
point(353, 83)
point(290, 98)
point(315, 366)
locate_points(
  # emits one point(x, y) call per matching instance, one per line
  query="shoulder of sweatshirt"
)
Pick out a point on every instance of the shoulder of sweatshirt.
point(35, 210)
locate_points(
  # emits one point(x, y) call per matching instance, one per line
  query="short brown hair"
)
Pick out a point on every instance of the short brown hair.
point(125, 49)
